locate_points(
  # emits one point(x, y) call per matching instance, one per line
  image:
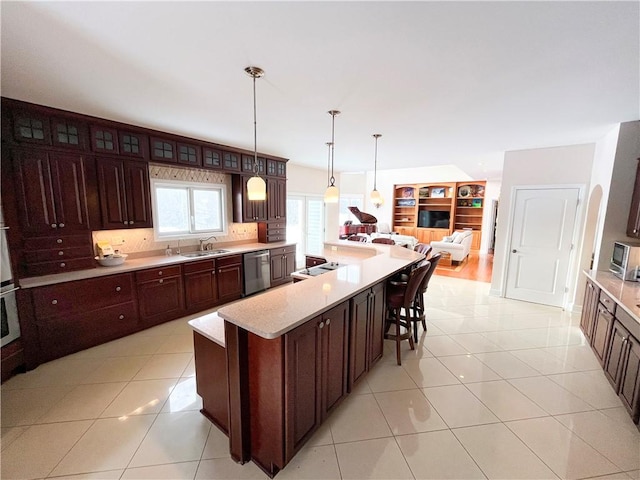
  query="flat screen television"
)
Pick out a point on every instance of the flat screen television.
point(433, 219)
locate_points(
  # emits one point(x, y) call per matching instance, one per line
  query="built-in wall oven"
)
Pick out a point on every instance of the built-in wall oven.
point(9, 323)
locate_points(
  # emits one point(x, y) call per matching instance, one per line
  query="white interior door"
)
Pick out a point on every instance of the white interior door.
point(305, 224)
point(541, 243)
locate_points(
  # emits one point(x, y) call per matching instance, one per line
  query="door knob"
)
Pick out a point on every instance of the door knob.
point(514, 251)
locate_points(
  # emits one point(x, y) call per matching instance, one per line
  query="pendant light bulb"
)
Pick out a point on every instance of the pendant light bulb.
point(375, 196)
point(256, 186)
point(332, 194)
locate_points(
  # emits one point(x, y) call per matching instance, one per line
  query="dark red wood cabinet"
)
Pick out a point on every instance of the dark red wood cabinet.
point(55, 192)
point(212, 158)
point(367, 335)
point(276, 199)
point(283, 263)
point(200, 284)
point(67, 317)
point(602, 326)
point(125, 199)
point(589, 309)
point(296, 380)
point(245, 210)
point(230, 277)
point(160, 294)
point(633, 224)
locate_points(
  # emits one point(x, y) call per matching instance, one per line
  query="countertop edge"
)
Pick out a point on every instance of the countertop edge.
point(628, 288)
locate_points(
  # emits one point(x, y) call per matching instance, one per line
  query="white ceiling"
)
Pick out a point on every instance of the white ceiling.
point(444, 82)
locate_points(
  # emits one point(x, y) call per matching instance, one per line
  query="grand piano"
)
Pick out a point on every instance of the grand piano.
point(367, 224)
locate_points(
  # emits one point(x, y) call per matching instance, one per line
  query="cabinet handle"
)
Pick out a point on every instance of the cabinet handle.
point(61, 225)
point(328, 321)
point(160, 272)
point(53, 225)
point(60, 253)
point(161, 280)
point(321, 326)
point(59, 240)
point(54, 302)
point(121, 317)
point(125, 222)
point(118, 289)
point(63, 264)
point(213, 272)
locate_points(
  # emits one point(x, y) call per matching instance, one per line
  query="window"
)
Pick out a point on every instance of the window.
point(349, 201)
point(182, 209)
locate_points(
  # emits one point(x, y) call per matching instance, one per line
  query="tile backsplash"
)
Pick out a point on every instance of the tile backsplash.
point(140, 241)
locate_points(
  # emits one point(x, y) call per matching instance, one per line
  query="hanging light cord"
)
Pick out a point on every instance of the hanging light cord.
point(328, 161)
point(375, 164)
point(255, 130)
point(333, 114)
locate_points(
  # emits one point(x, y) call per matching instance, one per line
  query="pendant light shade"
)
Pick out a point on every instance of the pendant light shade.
point(332, 195)
point(256, 186)
point(376, 198)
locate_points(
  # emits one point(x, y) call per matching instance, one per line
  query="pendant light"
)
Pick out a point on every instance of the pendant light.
point(331, 194)
point(256, 186)
point(376, 198)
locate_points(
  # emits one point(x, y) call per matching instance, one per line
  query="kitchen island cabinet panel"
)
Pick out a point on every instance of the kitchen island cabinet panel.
point(283, 263)
point(212, 380)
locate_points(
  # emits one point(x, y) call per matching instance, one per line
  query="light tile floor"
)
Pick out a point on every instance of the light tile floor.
point(495, 389)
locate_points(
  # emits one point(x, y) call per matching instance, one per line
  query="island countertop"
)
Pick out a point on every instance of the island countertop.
point(279, 310)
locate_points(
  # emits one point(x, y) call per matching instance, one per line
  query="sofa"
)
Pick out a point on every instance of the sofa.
point(458, 245)
point(401, 240)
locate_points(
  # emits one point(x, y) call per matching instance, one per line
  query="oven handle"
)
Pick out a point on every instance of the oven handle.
point(2, 294)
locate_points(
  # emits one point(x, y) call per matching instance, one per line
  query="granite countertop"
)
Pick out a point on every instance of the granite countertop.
point(279, 310)
point(626, 294)
point(131, 265)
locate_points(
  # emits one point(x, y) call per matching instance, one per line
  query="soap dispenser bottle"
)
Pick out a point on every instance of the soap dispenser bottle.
point(168, 252)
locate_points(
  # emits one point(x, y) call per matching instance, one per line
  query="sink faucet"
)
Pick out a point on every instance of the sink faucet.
point(202, 240)
point(178, 249)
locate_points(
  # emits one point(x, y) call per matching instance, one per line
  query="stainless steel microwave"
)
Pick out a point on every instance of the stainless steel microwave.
point(625, 261)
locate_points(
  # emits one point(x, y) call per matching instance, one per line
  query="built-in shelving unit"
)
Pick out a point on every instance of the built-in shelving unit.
point(430, 211)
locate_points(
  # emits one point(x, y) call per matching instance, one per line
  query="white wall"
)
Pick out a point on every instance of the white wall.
point(306, 180)
point(621, 189)
point(570, 165)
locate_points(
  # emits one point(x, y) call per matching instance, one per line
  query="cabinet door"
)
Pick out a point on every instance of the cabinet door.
point(277, 268)
point(589, 309)
point(601, 333)
point(229, 281)
point(633, 224)
point(104, 139)
point(138, 195)
point(376, 321)
point(630, 378)
point(163, 150)
point(359, 337)
point(189, 154)
point(335, 353)
point(160, 300)
point(615, 354)
point(201, 289)
point(303, 377)
point(112, 188)
point(212, 158)
point(276, 198)
point(289, 264)
point(52, 191)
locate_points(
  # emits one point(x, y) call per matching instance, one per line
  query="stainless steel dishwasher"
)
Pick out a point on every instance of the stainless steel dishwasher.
point(257, 271)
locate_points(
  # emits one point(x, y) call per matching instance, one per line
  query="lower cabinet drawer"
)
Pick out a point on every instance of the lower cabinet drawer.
point(158, 273)
point(82, 296)
point(68, 334)
point(59, 266)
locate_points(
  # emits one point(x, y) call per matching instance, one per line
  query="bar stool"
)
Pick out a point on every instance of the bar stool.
point(401, 296)
point(418, 303)
point(386, 241)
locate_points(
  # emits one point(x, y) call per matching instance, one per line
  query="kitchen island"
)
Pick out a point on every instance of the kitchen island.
point(293, 353)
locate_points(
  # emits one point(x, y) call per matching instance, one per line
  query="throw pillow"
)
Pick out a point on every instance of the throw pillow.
point(447, 239)
point(459, 238)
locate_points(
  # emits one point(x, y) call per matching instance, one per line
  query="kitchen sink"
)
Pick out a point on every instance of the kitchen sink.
point(204, 253)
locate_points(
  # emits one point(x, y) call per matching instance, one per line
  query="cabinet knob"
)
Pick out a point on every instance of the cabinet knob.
point(59, 240)
point(61, 225)
point(121, 317)
point(160, 272)
point(63, 264)
point(321, 326)
point(328, 321)
point(118, 289)
point(53, 225)
point(130, 222)
point(54, 302)
point(161, 280)
point(213, 272)
point(60, 253)
point(125, 222)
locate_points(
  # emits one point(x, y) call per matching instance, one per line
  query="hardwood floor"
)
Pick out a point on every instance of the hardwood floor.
point(478, 267)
